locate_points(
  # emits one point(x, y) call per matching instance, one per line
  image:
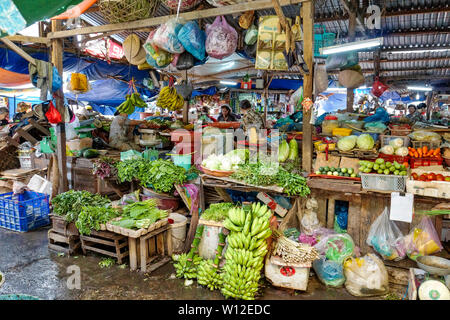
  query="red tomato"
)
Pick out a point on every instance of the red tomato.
point(431, 176)
point(406, 164)
point(415, 176)
point(440, 177)
point(423, 178)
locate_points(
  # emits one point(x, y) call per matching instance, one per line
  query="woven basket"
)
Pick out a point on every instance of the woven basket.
point(116, 11)
point(185, 4)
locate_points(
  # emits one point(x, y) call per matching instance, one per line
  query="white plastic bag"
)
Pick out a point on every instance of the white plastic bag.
point(366, 276)
point(70, 129)
point(166, 37)
point(386, 238)
point(296, 97)
point(221, 39)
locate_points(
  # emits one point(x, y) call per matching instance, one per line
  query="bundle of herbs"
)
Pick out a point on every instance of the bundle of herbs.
point(70, 203)
point(90, 218)
point(140, 215)
point(217, 211)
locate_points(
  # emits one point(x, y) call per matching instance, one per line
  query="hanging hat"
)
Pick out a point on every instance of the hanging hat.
point(133, 50)
point(140, 58)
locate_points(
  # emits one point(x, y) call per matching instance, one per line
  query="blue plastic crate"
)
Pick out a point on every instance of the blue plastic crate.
point(375, 136)
point(24, 212)
point(322, 39)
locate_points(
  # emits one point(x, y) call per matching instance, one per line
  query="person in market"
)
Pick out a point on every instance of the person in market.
point(251, 118)
point(22, 109)
point(204, 115)
point(227, 114)
point(121, 133)
point(414, 115)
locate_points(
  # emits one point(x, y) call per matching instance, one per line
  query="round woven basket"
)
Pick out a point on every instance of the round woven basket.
point(116, 11)
point(185, 4)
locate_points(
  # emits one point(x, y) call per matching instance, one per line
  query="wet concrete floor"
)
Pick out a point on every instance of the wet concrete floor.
point(31, 268)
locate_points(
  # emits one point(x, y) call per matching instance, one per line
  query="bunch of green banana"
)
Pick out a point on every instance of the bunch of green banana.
point(131, 102)
point(186, 265)
point(169, 99)
point(208, 270)
point(246, 250)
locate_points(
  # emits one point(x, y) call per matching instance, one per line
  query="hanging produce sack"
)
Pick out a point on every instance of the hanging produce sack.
point(378, 88)
point(251, 35)
point(336, 247)
point(221, 39)
point(423, 240)
point(351, 78)
point(246, 19)
point(296, 29)
point(156, 57)
point(341, 60)
point(78, 83)
point(166, 37)
point(193, 39)
point(185, 61)
point(386, 238)
point(320, 78)
point(53, 116)
point(366, 276)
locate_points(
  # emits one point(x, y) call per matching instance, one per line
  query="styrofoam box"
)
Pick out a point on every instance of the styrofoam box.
point(287, 277)
point(436, 189)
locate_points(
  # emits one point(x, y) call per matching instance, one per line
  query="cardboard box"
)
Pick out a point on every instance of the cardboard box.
point(79, 144)
point(272, 204)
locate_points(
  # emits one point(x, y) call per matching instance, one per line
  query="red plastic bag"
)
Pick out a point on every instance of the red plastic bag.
point(378, 88)
point(52, 114)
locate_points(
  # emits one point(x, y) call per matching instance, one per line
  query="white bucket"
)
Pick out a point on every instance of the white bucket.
point(178, 231)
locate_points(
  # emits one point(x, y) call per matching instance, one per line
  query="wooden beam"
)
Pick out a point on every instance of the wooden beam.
point(26, 39)
point(280, 14)
point(18, 50)
point(187, 16)
point(57, 60)
point(307, 15)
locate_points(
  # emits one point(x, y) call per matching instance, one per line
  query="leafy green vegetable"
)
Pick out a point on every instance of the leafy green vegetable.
point(106, 263)
point(217, 211)
point(140, 215)
point(92, 217)
point(69, 204)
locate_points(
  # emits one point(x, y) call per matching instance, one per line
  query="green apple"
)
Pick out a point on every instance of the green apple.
point(386, 171)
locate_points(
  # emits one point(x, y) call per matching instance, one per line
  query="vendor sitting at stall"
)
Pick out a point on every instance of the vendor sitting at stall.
point(121, 133)
point(414, 115)
point(204, 115)
point(227, 114)
point(251, 118)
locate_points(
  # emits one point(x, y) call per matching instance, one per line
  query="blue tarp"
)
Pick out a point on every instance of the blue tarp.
point(209, 91)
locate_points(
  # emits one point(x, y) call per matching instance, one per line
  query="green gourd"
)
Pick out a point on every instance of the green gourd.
point(293, 149)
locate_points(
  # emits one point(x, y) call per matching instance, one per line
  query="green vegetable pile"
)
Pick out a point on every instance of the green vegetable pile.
point(382, 167)
point(140, 215)
point(217, 211)
point(337, 172)
point(70, 203)
point(90, 218)
point(160, 175)
point(266, 174)
point(246, 250)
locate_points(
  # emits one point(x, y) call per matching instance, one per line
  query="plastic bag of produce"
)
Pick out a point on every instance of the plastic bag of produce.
point(221, 39)
point(423, 240)
point(320, 78)
point(156, 57)
point(251, 35)
point(421, 135)
point(246, 19)
point(341, 60)
point(366, 276)
point(386, 238)
point(166, 36)
point(193, 39)
point(185, 61)
point(330, 273)
point(297, 97)
point(336, 247)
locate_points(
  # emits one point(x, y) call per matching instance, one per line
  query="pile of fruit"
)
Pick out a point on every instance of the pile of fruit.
point(131, 102)
point(337, 172)
point(430, 176)
point(424, 152)
point(382, 167)
point(246, 250)
point(208, 270)
point(169, 99)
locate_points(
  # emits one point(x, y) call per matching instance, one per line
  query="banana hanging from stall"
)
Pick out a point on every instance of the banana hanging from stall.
point(131, 102)
point(170, 99)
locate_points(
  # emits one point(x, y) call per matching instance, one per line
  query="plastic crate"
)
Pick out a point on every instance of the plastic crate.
point(385, 140)
point(429, 144)
point(383, 182)
point(375, 136)
point(24, 212)
point(392, 158)
point(25, 162)
point(321, 40)
point(425, 162)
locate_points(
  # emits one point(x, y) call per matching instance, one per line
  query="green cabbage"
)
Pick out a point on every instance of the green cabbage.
point(347, 143)
point(402, 151)
point(365, 142)
point(293, 149)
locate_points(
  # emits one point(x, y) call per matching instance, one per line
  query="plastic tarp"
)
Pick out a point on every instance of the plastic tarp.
point(209, 92)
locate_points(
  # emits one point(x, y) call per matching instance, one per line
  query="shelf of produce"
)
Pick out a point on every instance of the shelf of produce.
point(225, 182)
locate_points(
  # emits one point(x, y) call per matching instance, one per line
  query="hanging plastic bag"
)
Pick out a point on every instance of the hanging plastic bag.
point(156, 57)
point(366, 276)
point(386, 238)
point(185, 61)
point(296, 29)
point(193, 39)
point(423, 240)
point(53, 116)
point(166, 37)
point(341, 60)
point(336, 247)
point(78, 83)
point(351, 78)
point(246, 19)
point(251, 35)
point(320, 78)
point(378, 88)
point(296, 97)
point(221, 39)
point(330, 273)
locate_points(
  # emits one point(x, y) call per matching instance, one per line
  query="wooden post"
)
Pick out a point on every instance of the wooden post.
point(307, 15)
point(57, 60)
point(186, 103)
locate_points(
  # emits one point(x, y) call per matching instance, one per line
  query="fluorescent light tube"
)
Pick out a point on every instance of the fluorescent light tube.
point(420, 88)
point(352, 46)
point(230, 83)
